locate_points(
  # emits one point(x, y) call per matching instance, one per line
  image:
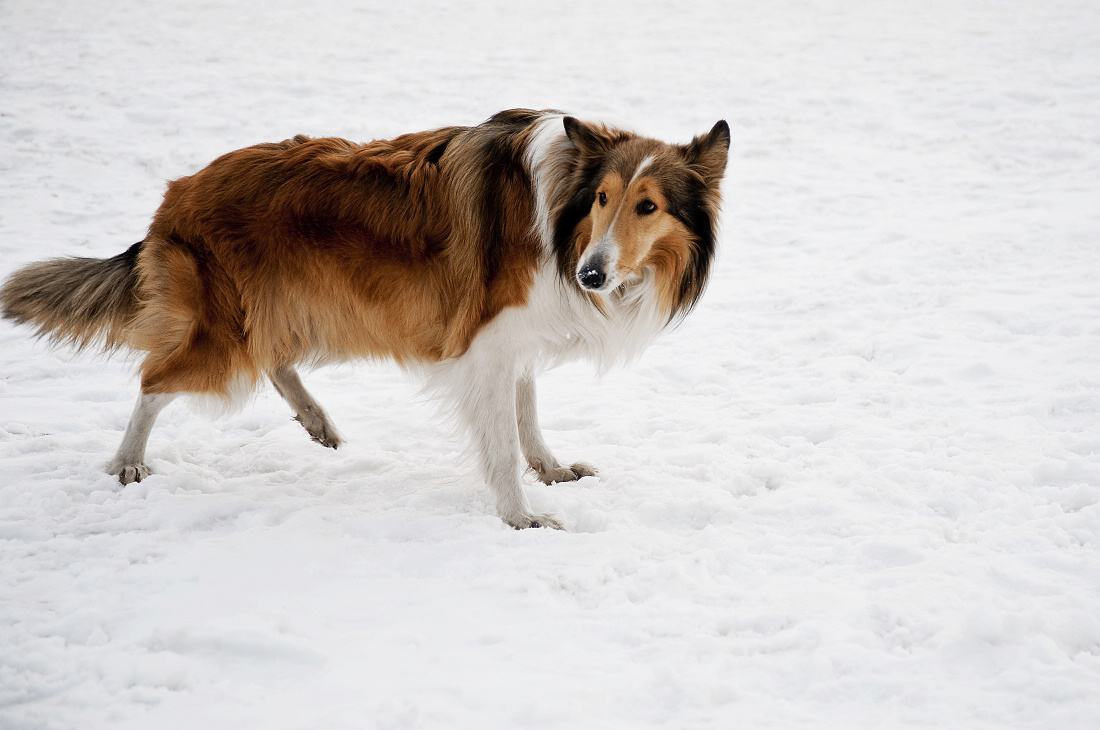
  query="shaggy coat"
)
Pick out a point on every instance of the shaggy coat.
point(474, 254)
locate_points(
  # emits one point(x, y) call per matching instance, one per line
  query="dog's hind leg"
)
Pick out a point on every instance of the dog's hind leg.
point(128, 462)
point(534, 448)
point(306, 410)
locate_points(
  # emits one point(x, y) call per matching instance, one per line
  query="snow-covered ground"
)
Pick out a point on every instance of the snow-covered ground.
point(860, 487)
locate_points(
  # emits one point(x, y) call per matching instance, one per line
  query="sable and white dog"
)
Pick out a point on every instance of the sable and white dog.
point(478, 255)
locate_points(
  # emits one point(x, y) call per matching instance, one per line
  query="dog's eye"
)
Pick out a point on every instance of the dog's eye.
point(646, 207)
point(603, 198)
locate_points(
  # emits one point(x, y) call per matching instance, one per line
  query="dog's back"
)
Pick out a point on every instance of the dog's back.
point(317, 250)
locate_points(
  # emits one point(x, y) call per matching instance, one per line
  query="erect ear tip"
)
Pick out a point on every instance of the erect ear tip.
point(581, 135)
point(721, 130)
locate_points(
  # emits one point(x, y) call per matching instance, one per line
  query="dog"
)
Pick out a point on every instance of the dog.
point(476, 255)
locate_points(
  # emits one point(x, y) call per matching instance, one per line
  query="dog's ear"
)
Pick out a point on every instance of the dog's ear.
point(707, 153)
point(584, 137)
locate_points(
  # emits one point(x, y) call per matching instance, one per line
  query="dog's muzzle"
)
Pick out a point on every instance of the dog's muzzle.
point(593, 273)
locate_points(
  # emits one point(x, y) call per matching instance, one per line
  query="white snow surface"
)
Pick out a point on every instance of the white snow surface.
point(859, 487)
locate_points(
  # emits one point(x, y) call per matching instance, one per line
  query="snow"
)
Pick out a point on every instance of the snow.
point(859, 487)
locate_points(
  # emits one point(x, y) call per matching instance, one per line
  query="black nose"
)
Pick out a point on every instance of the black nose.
point(591, 278)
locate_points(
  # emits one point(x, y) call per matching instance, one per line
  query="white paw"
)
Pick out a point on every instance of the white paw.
point(131, 473)
point(569, 473)
point(320, 431)
point(524, 520)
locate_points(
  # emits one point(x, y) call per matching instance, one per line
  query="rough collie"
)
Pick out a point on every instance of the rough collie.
point(477, 255)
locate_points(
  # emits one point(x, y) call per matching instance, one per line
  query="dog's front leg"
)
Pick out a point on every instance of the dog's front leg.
point(535, 450)
point(483, 385)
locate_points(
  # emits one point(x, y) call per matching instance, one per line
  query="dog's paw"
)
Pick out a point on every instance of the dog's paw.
point(523, 521)
point(328, 440)
point(570, 473)
point(320, 431)
point(130, 473)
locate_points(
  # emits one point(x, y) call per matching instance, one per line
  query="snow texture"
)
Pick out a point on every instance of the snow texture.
point(859, 487)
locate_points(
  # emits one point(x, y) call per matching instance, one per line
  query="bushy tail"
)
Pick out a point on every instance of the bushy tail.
point(78, 301)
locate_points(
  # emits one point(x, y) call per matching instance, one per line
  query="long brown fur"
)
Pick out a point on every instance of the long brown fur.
point(324, 249)
point(308, 249)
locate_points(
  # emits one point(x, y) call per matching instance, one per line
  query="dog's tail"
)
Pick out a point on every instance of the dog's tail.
point(77, 301)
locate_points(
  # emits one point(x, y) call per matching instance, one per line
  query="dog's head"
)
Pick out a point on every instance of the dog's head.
point(645, 209)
